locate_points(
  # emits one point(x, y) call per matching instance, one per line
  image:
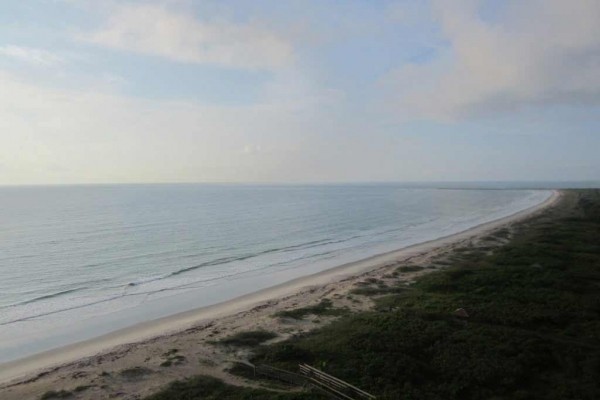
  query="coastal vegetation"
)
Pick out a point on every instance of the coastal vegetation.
point(248, 338)
point(530, 327)
point(53, 395)
point(135, 373)
point(209, 388)
point(324, 307)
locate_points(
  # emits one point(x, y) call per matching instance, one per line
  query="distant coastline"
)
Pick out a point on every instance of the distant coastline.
point(123, 255)
point(169, 326)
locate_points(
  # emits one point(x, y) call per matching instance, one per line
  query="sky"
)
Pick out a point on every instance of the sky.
point(297, 91)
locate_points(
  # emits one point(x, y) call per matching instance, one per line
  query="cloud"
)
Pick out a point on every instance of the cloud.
point(251, 149)
point(156, 30)
point(53, 135)
point(536, 53)
point(31, 55)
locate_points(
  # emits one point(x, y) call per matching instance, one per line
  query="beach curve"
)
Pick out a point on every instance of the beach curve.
point(170, 325)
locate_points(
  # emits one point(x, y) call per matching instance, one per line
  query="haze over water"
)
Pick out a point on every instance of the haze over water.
point(79, 261)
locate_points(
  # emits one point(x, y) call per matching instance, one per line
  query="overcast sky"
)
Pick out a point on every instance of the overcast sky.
point(298, 91)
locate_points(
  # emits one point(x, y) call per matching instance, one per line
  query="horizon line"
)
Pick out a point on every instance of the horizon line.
point(301, 183)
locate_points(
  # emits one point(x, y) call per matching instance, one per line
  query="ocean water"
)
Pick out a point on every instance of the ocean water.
point(80, 261)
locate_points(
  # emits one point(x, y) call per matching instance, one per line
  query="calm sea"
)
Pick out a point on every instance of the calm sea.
point(79, 261)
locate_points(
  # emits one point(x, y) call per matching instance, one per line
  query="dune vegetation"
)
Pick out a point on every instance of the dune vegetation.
point(530, 327)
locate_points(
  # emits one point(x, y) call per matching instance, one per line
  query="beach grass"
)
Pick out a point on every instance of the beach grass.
point(376, 291)
point(209, 388)
point(324, 307)
point(247, 338)
point(409, 268)
point(53, 395)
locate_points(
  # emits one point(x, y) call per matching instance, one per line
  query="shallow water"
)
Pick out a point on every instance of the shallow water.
point(80, 261)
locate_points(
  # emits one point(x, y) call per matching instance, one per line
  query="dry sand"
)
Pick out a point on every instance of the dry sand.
point(105, 367)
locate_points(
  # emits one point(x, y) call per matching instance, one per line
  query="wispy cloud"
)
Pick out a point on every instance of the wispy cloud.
point(31, 55)
point(159, 31)
point(536, 53)
point(49, 134)
point(132, 100)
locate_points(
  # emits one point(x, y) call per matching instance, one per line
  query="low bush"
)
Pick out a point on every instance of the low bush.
point(209, 388)
point(324, 307)
point(248, 338)
point(52, 394)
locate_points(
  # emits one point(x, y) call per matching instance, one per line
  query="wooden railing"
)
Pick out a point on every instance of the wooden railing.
point(334, 385)
point(280, 374)
point(315, 379)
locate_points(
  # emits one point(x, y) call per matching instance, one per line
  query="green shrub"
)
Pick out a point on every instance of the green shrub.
point(135, 373)
point(409, 268)
point(248, 338)
point(324, 307)
point(82, 388)
point(52, 394)
point(209, 388)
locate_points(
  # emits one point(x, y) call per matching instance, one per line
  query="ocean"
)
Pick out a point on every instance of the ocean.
point(80, 261)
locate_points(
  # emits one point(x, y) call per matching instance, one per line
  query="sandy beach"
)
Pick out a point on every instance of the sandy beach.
point(96, 364)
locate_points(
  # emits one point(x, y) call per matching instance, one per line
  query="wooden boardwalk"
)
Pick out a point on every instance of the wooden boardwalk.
point(312, 378)
point(333, 385)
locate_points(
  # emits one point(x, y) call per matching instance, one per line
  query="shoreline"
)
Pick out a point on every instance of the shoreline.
point(177, 324)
